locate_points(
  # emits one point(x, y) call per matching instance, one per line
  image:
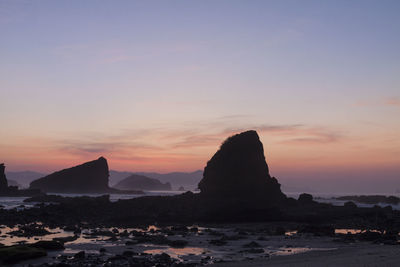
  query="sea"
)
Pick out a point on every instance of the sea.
point(18, 202)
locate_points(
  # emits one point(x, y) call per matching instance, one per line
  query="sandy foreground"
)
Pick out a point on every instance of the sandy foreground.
point(361, 254)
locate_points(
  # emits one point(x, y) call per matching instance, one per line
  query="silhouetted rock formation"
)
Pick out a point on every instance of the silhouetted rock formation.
point(3, 179)
point(239, 171)
point(306, 198)
point(140, 182)
point(90, 177)
point(12, 191)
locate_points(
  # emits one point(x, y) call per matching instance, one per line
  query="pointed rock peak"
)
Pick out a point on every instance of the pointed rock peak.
point(238, 169)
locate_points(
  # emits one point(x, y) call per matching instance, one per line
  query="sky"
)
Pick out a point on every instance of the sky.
point(158, 85)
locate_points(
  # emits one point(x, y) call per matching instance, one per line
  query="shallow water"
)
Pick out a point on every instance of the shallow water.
point(198, 250)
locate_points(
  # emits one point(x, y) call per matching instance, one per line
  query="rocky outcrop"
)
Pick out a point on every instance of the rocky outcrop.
point(13, 191)
point(3, 179)
point(90, 177)
point(140, 182)
point(238, 170)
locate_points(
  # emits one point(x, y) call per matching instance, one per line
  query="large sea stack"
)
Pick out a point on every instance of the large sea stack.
point(238, 170)
point(90, 177)
point(3, 179)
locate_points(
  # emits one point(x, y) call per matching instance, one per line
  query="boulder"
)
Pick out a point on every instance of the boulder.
point(306, 199)
point(238, 170)
point(90, 177)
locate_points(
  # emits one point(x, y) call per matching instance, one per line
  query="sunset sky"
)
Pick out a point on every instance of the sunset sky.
point(158, 85)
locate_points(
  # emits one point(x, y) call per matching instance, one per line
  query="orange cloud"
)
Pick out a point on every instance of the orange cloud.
point(393, 101)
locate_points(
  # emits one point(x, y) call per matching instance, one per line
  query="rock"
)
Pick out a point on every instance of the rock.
point(218, 242)
point(163, 258)
point(252, 244)
point(30, 230)
point(280, 230)
point(239, 170)
point(14, 254)
point(153, 239)
point(306, 199)
point(370, 236)
point(80, 255)
point(3, 179)
point(48, 245)
point(140, 182)
point(128, 253)
point(90, 177)
point(12, 191)
point(350, 205)
point(372, 199)
point(318, 230)
point(178, 243)
point(253, 251)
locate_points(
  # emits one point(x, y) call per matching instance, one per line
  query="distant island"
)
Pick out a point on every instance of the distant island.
point(140, 182)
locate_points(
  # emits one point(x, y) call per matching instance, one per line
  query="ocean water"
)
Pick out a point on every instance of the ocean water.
point(330, 198)
point(17, 202)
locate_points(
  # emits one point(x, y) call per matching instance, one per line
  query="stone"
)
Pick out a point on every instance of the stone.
point(90, 177)
point(306, 198)
point(14, 254)
point(238, 170)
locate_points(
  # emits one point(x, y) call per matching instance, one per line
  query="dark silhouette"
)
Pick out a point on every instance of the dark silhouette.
point(90, 177)
point(140, 182)
point(3, 179)
point(186, 179)
point(372, 199)
point(306, 198)
point(238, 170)
point(13, 191)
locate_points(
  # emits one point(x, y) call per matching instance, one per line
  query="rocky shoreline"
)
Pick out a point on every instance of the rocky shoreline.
point(176, 245)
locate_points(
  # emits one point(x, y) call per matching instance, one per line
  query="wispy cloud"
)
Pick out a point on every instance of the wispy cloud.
point(389, 101)
point(393, 101)
point(314, 136)
point(170, 145)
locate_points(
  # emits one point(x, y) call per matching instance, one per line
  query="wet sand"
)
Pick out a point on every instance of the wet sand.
point(360, 254)
point(232, 245)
